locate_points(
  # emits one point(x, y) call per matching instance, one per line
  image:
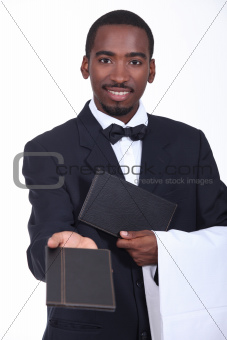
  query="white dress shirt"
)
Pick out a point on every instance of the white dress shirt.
point(128, 152)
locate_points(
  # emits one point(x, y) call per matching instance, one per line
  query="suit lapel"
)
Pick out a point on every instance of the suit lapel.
point(101, 155)
point(155, 157)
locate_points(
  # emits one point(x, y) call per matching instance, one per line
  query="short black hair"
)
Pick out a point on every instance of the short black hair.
point(118, 17)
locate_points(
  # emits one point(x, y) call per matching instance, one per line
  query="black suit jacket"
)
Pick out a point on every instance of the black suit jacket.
point(177, 164)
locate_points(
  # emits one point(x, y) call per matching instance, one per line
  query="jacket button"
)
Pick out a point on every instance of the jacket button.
point(139, 283)
point(144, 336)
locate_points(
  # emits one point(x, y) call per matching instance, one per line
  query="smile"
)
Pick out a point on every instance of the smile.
point(118, 93)
point(118, 96)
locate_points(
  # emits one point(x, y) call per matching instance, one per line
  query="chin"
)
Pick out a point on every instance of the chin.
point(116, 111)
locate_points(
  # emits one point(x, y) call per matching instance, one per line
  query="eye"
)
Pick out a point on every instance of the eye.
point(104, 60)
point(136, 62)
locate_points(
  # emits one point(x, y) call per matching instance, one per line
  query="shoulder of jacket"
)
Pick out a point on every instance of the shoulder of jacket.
point(174, 126)
point(58, 134)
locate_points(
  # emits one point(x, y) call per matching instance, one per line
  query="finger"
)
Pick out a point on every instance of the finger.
point(121, 243)
point(124, 234)
point(134, 234)
point(128, 234)
point(54, 241)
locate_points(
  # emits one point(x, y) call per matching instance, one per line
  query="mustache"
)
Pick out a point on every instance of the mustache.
point(122, 86)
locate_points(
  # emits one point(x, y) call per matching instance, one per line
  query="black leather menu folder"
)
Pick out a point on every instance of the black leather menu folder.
point(113, 204)
point(79, 278)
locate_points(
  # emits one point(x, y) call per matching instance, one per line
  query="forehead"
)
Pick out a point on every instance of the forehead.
point(125, 38)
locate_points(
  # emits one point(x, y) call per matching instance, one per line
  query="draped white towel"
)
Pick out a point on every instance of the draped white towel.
point(191, 300)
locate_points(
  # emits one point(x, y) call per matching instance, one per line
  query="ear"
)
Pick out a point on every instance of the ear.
point(152, 71)
point(85, 68)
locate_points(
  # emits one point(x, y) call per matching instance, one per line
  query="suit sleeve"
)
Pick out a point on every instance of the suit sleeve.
point(52, 209)
point(211, 191)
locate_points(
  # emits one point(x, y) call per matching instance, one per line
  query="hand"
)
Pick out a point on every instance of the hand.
point(141, 245)
point(69, 239)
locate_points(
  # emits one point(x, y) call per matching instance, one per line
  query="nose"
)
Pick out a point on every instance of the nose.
point(119, 73)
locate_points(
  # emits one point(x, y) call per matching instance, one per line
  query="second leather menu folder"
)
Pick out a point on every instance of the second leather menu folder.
point(113, 204)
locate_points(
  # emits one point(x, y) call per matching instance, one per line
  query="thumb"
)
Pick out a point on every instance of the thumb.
point(134, 234)
point(127, 234)
point(54, 241)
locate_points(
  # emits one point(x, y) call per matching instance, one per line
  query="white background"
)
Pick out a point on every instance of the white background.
point(31, 103)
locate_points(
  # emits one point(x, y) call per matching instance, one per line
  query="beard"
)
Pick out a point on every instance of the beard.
point(116, 111)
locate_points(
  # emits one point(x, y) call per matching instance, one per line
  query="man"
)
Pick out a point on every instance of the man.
point(119, 63)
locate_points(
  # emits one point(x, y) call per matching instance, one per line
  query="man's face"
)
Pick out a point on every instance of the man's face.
point(119, 69)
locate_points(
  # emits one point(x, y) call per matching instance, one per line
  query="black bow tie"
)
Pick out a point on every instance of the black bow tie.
point(115, 132)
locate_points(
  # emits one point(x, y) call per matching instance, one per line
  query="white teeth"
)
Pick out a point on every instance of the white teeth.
point(118, 93)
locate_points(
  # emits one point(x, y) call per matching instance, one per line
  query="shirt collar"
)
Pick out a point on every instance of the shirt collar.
point(140, 117)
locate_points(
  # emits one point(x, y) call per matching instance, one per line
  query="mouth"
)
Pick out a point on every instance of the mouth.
point(118, 94)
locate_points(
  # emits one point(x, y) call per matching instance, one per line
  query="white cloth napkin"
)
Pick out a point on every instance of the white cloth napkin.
point(191, 300)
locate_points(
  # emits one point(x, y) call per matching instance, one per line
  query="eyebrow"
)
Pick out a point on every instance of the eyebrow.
point(128, 55)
